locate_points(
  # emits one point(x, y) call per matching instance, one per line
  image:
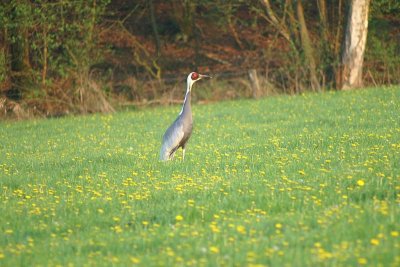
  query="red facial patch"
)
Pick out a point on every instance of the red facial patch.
point(194, 76)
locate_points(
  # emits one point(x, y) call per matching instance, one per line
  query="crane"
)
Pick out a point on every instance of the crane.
point(178, 134)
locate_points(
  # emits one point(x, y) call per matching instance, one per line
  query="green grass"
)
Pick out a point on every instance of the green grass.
point(288, 180)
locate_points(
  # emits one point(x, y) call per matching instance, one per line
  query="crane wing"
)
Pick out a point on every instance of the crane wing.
point(171, 139)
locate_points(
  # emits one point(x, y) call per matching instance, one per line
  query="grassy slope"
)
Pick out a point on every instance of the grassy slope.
point(299, 180)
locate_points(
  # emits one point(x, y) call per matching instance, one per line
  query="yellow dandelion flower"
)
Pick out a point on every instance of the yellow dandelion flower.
point(179, 218)
point(214, 249)
point(191, 202)
point(278, 226)
point(2, 255)
point(214, 227)
point(145, 223)
point(118, 229)
point(362, 261)
point(8, 231)
point(241, 229)
point(360, 182)
point(394, 233)
point(374, 241)
point(135, 260)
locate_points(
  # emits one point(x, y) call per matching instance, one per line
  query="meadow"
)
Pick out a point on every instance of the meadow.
point(306, 180)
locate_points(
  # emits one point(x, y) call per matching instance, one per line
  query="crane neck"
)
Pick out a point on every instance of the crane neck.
point(186, 107)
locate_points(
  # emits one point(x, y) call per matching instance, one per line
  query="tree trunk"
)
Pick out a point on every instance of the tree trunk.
point(155, 28)
point(326, 58)
point(337, 43)
point(4, 52)
point(19, 52)
point(354, 46)
point(255, 85)
point(45, 52)
point(307, 48)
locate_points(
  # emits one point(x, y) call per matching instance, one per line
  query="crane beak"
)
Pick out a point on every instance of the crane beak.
point(204, 76)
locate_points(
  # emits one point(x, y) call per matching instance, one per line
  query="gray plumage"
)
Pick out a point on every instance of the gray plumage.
point(178, 134)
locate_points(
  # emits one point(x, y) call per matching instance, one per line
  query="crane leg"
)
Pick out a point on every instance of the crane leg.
point(183, 153)
point(172, 154)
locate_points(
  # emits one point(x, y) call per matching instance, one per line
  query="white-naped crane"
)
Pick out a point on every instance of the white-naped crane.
point(178, 134)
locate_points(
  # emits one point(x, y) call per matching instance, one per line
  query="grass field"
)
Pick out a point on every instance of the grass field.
point(305, 180)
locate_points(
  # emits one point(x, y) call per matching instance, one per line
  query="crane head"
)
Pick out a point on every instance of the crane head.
point(194, 77)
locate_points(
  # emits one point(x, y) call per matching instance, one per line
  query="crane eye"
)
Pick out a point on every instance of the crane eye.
point(195, 76)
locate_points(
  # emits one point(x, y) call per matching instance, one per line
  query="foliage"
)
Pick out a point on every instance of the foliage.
point(307, 180)
point(73, 44)
point(382, 53)
point(62, 35)
point(3, 64)
point(385, 7)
